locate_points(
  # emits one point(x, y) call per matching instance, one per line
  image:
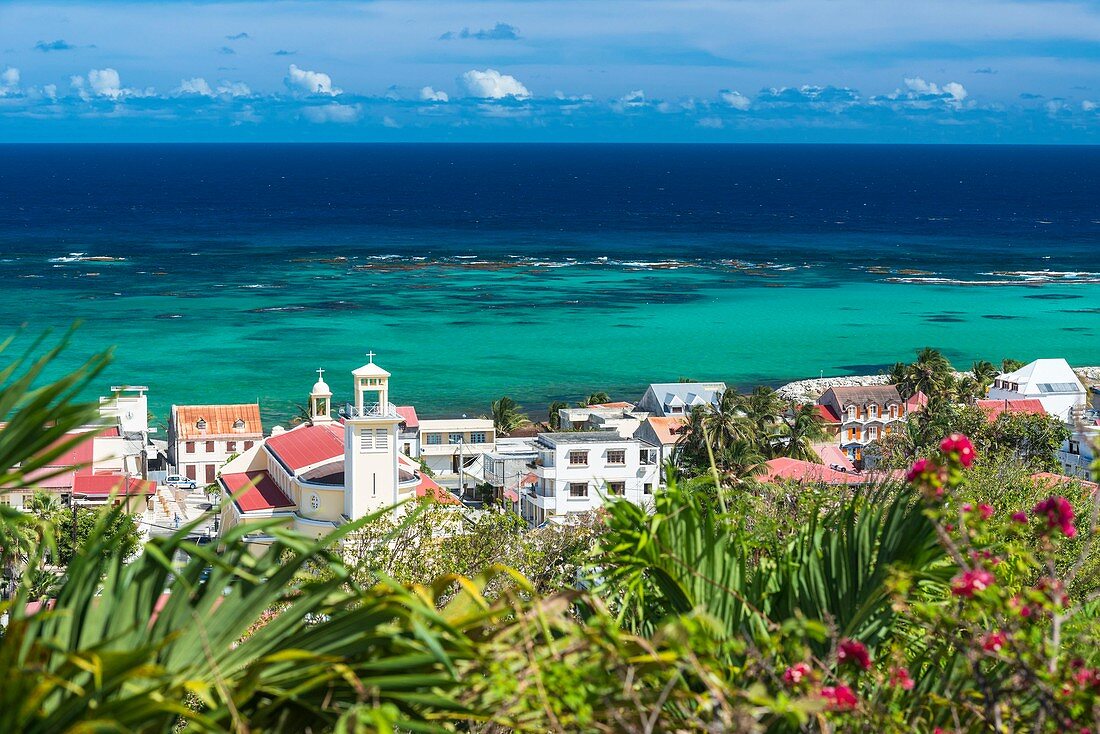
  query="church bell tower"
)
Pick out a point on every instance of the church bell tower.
point(370, 443)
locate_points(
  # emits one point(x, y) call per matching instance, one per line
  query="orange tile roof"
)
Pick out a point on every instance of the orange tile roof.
point(1050, 480)
point(219, 420)
point(617, 404)
point(666, 429)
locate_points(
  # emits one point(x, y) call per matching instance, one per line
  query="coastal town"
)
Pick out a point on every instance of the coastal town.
point(357, 452)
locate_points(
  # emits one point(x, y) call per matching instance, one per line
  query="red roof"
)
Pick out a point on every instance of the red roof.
point(102, 485)
point(808, 472)
point(76, 458)
point(308, 445)
point(916, 402)
point(261, 494)
point(428, 486)
point(511, 495)
point(408, 414)
point(994, 408)
point(1051, 481)
point(616, 404)
point(826, 414)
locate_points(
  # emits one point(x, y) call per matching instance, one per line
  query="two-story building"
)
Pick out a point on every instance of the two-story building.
point(201, 438)
point(664, 433)
point(336, 468)
point(867, 413)
point(1050, 381)
point(576, 471)
point(447, 442)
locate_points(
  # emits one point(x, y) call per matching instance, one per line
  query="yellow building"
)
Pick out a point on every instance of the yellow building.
point(330, 471)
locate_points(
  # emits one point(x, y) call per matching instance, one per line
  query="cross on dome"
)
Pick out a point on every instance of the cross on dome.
point(320, 375)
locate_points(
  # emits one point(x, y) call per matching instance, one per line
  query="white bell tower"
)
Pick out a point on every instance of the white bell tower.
point(320, 401)
point(370, 444)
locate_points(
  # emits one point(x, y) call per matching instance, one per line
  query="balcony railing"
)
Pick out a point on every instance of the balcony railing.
point(371, 410)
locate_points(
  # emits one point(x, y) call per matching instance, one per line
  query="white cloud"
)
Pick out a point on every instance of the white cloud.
point(233, 89)
point(9, 81)
point(430, 95)
point(389, 122)
point(105, 83)
point(952, 91)
point(630, 100)
point(736, 100)
point(310, 82)
point(195, 85)
point(1088, 105)
point(711, 123)
point(341, 113)
point(491, 84)
point(50, 90)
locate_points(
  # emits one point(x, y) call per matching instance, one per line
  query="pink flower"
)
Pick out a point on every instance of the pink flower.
point(794, 675)
point(839, 698)
point(1020, 517)
point(986, 511)
point(919, 469)
point(1059, 514)
point(854, 653)
point(994, 641)
point(900, 678)
point(959, 447)
point(969, 583)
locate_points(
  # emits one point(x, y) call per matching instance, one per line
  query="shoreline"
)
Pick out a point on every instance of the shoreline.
point(810, 390)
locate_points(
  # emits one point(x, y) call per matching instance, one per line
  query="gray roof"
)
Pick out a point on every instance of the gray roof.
point(689, 393)
point(584, 437)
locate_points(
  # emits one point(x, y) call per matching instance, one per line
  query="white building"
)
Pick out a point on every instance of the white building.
point(576, 471)
point(665, 433)
point(444, 443)
point(1078, 452)
point(510, 468)
point(678, 398)
point(1051, 381)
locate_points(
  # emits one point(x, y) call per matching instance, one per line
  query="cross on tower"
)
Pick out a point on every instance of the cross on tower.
point(370, 355)
point(320, 375)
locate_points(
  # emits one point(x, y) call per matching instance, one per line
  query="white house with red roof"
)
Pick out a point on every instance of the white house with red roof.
point(336, 468)
point(1050, 381)
point(663, 432)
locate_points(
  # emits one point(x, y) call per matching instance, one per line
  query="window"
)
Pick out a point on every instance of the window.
point(578, 458)
point(248, 445)
point(209, 447)
point(366, 440)
point(647, 488)
point(477, 437)
point(201, 424)
point(616, 456)
point(893, 411)
point(434, 439)
point(872, 411)
point(210, 473)
point(191, 471)
point(381, 439)
point(230, 446)
point(189, 447)
point(578, 489)
point(616, 489)
point(851, 412)
point(318, 409)
point(1075, 448)
point(238, 424)
point(872, 432)
point(454, 438)
point(314, 502)
point(647, 457)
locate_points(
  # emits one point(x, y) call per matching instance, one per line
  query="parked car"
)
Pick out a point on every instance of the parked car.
point(179, 481)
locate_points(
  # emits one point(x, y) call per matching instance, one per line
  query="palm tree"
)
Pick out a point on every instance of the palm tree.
point(507, 416)
point(762, 407)
point(802, 427)
point(976, 385)
point(596, 398)
point(931, 374)
point(739, 461)
point(554, 417)
point(725, 419)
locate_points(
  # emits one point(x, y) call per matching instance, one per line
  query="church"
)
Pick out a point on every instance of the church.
point(331, 470)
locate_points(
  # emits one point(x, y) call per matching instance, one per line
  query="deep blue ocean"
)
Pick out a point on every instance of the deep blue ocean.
point(545, 270)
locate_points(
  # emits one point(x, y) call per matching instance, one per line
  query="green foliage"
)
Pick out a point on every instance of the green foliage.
point(121, 531)
point(507, 415)
point(553, 417)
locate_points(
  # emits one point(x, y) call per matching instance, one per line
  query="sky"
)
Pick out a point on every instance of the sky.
point(872, 71)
